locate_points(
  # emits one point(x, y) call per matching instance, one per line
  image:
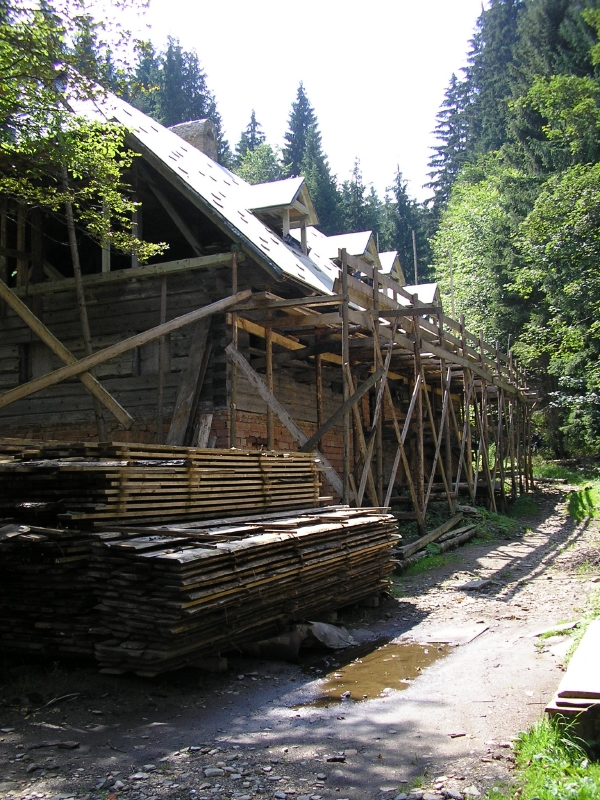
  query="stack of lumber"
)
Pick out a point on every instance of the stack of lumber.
point(579, 690)
point(173, 595)
point(96, 484)
point(46, 598)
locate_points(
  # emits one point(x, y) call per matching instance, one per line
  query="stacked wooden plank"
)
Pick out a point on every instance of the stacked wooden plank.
point(90, 483)
point(579, 690)
point(47, 601)
point(173, 595)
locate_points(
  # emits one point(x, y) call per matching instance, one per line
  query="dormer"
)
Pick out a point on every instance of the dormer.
point(283, 206)
point(390, 265)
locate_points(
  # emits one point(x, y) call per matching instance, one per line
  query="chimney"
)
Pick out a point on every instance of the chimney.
point(200, 133)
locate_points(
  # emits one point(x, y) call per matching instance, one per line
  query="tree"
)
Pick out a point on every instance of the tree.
point(41, 48)
point(301, 120)
point(488, 76)
point(450, 156)
point(251, 137)
point(401, 215)
point(321, 184)
point(260, 165)
point(172, 87)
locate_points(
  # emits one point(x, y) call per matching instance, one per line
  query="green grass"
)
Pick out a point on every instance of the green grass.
point(524, 506)
point(430, 562)
point(584, 502)
point(554, 764)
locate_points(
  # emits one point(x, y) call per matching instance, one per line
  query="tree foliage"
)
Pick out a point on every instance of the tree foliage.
point(46, 65)
point(521, 228)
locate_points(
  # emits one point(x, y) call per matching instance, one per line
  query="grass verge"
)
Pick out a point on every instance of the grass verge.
point(553, 763)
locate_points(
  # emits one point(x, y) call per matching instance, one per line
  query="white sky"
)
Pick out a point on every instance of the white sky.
point(375, 72)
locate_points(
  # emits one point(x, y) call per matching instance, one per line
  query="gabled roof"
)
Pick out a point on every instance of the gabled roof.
point(356, 244)
point(388, 261)
point(274, 194)
point(215, 189)
point(426, 292)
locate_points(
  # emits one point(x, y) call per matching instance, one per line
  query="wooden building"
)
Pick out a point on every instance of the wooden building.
point(254, 331)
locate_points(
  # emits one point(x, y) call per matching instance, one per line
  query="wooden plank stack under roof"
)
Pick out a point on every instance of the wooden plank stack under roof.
point(175, 594)
point(91, 483)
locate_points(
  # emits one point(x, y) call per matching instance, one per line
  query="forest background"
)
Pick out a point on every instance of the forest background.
point(512, 229)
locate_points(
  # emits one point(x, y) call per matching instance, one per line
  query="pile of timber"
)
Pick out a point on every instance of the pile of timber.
point(98, 483)
point(445, 537)
point(47, 602)
point(174, 595)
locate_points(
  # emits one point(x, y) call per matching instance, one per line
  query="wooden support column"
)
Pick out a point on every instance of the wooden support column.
point(319, 384)
point(467, 376)
point(269, 371)
point(234, 341)
point(511, 421)
point(379, 428)
point(445, 377)
point(346, 373)
point(22, 263)
point(105, 245)
point(501, 436)
point(190, 384)
point(161, 364)
point(420, 465)
point(136, 230)
point(82, 308)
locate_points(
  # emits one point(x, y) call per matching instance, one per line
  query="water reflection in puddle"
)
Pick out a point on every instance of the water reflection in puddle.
point(393, 666)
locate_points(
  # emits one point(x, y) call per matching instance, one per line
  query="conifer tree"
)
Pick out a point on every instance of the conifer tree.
point(451, 130)
point(302, 118)
point(251, 137)
point(321, 184)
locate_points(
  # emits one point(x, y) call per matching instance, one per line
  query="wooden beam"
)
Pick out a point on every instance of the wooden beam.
point(234, 375)
point(81, 306)
point(260, 304)
point(139, 273)
point(299, 436)
point(175, 216)
point(419, 544)
point(188, 385)
point(270, 387)
point(90, 383)
point(102, 356)
point(161, 363)
point(345, 377)
point(343, 409)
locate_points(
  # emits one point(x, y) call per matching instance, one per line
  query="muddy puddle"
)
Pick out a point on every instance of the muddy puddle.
point(392, 666)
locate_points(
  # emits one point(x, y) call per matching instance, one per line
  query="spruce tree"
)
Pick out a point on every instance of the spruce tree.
point(302, 118)
point(488, 76)
point(451, 130)
point(250, 139)
point(321, 184)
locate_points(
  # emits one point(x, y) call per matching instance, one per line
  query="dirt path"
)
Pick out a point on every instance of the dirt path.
point(261, 730)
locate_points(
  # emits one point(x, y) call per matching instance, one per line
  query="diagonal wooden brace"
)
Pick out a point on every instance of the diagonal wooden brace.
point(91, 384)
point(87, 363)
point(261, 387)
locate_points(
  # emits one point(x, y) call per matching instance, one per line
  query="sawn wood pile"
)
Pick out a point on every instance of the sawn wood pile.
point(94, 484)
point(171, 596)
point(47, 601)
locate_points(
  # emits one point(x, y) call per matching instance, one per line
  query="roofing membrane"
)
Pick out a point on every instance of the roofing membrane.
point(215, 186)
point(275, 194)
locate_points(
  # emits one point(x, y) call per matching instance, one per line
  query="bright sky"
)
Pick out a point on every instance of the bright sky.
point(374, 72)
